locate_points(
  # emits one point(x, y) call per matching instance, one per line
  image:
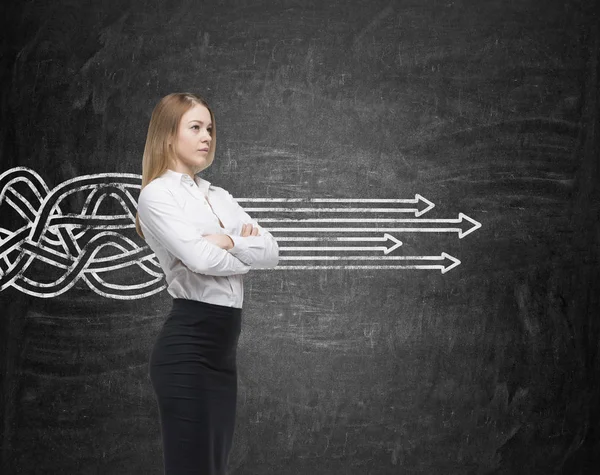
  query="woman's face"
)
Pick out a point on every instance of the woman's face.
point(193, 140)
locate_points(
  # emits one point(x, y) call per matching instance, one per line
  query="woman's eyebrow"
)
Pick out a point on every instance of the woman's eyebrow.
point(196, 120)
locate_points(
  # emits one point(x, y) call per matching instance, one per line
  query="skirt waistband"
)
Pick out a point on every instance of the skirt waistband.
point(193, 306)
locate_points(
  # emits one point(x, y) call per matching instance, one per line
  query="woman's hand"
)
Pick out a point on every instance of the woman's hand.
point(249, 230)
point(225, 242)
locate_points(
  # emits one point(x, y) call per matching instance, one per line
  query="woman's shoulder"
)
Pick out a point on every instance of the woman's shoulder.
point(156, 188)
point(219, 190)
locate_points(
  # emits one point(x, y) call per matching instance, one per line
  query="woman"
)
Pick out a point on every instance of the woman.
point(204, 242)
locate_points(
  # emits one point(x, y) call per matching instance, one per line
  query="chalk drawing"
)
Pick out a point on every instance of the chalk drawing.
point(71, 242)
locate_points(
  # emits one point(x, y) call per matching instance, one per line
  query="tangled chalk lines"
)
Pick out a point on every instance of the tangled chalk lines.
point(75, 244)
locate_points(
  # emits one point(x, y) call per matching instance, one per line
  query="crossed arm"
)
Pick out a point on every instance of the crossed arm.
point(212, 254)
point(224, 241)
point(256, 246)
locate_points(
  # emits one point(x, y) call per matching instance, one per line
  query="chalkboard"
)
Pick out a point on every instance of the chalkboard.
point(430, 171)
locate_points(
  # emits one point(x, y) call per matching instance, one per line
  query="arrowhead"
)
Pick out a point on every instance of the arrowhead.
point(454, 260)
point(476, 225)
point(395, 246)
point(429, 205)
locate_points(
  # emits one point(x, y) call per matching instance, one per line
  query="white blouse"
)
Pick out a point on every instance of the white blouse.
point(174, 214)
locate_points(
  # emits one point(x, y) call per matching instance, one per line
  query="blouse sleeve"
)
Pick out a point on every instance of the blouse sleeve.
point(260, 252)
point(167, 223)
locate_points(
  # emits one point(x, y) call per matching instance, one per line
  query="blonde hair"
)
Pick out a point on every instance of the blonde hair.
point(163, 127)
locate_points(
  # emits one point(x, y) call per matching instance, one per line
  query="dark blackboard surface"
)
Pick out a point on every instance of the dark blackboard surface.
point(483, 107)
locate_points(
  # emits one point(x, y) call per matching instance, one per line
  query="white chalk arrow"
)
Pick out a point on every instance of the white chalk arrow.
point(423, 229)
point(386, 250)
point(417, 200)
point(443, 267)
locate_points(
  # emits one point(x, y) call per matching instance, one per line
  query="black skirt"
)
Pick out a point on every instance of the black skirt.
point(193, 372)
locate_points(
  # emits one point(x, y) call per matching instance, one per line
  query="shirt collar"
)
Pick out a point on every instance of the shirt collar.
point(178, 178)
